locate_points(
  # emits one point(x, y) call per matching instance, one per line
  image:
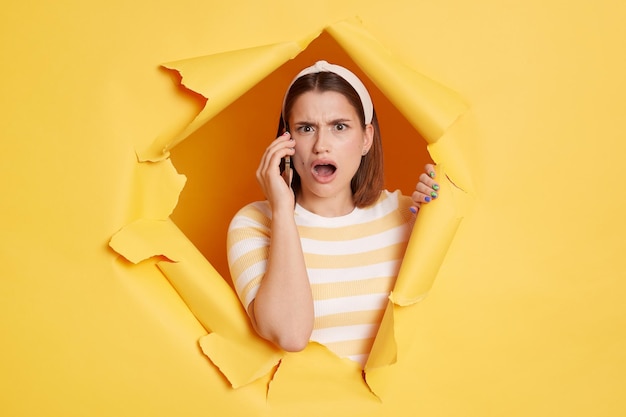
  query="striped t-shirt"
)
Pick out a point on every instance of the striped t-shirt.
point(352, 262)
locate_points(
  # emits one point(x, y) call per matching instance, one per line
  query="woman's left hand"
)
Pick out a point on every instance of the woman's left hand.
point(426, 190)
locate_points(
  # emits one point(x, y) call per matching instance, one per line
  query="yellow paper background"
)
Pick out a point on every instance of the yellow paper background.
point(526, 316)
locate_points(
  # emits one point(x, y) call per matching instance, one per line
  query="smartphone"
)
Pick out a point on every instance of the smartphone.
point(286, 173)
point(285, 166)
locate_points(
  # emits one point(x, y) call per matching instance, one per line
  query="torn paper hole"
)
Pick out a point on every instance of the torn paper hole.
point(427, 106)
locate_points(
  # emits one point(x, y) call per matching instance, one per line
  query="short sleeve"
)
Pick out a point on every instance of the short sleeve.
point(247, 246)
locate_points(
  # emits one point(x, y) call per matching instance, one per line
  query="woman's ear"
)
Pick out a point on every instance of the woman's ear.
point(368, 138)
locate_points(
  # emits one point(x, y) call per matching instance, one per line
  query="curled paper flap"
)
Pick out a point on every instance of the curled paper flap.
point(384, 350)
point(451, 150)
point(155, 189)
point(384, 354)
point(207, 296)
point(432, 235)
point(146, 238)
point(233, 345)
point(240, 361)
point(429, 106)
point(205, 292)
point(223, 78)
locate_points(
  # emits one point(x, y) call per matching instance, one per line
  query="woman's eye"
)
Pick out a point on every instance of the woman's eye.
point(305, 129)
point(340, 126)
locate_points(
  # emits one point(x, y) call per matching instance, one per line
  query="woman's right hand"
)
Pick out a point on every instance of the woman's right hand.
point(268, 175)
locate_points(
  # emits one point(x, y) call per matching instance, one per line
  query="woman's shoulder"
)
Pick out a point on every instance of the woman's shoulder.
point(255, 213)
point(255, 206)
point(395, 198)
point(395, 201)
point(388, 202)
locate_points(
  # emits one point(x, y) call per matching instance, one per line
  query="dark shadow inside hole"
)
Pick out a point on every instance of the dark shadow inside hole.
point(220, 159)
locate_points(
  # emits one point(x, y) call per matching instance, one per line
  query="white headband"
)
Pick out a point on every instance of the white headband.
point(346, 74)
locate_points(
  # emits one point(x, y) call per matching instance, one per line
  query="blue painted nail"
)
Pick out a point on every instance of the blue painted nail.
point(427, 199)
point(413, 210)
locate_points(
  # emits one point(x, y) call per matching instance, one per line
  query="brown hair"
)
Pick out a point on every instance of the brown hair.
point(368, 181)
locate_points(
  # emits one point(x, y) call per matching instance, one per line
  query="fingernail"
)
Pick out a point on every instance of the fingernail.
point(427, 199)
point(436, 187)
point(413, 210)
point(433, 194)
point(432, 174)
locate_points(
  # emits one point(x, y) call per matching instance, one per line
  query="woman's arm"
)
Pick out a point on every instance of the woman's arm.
point(282, 311)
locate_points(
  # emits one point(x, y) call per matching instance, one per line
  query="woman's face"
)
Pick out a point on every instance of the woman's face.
point(329, 144)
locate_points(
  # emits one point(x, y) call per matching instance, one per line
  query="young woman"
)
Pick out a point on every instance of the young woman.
point(317, 260)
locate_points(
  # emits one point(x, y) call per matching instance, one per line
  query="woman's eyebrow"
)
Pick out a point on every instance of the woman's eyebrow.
point(340, 120)
point(331, 122)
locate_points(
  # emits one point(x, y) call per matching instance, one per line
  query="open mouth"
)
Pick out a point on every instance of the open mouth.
point(324, 170)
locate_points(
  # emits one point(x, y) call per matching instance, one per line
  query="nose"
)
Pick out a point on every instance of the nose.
point(322, 142)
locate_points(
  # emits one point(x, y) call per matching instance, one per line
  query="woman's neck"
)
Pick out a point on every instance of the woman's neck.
point(334, 206)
